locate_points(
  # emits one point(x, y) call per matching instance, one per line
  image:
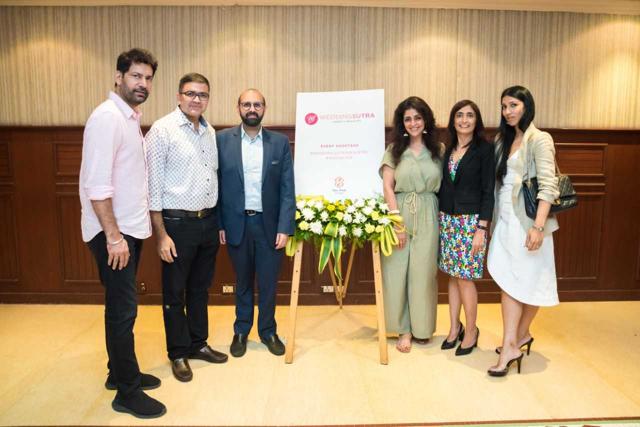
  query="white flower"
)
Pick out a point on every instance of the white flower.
point(357, 232)
point(367, 210)
point(318, 205)
point(342, 230)
point(351, 209)
point(308, 214)
point(384, 220)
point(300, 204)
point(347, 218)
point(372, 203)
point(384, 207)
point(359, 203)
point(316, 227)
point(324, 215)
point(359, 218)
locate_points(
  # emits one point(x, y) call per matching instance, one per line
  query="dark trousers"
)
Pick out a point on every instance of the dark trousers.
point(186, 282)
point(120, 311)
point(255, 255)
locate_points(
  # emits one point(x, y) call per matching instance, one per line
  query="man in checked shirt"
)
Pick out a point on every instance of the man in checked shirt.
point(183, 192)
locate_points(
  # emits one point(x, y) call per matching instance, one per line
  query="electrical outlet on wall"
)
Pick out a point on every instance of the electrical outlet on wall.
point(327, 288)
point(228, 289)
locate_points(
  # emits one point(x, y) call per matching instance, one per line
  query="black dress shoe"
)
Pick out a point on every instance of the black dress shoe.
point(139, 405)
point(274, 344)
point(210, 355)
point(448, 345)
point(462, 351)
point(181, 369)
point(147, 382)
point(238, 345)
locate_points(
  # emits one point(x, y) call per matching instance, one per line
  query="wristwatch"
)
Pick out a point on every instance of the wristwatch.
point(535, 227)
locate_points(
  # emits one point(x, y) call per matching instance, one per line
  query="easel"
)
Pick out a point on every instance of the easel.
point(340, 288)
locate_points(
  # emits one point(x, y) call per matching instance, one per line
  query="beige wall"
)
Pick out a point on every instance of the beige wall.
point(57, 63)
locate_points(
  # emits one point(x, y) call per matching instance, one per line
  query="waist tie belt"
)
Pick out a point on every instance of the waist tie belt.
point(411, 200)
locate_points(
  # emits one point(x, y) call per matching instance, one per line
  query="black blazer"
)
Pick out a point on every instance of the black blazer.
point(472, 190)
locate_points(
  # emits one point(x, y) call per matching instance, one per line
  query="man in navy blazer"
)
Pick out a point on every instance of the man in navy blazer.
point(257, 216)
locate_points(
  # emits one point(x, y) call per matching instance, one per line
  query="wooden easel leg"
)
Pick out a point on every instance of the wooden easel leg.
point(377, 278)
point(293, 306)
point(337, 283)
point(349, 265)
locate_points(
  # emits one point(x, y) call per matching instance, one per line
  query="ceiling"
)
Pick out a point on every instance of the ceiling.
point(622, 7)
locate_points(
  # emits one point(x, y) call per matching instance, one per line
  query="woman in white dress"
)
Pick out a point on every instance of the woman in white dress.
point(520, 257)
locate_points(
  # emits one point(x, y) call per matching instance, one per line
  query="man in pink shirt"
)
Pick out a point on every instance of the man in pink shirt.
point(115, 220)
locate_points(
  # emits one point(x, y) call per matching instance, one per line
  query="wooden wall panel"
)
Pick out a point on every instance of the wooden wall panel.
point(581, 158)
point(597, 246)
point(77, 263)
point(5, 160)
point(9, 272)
point(577, 243)
point(67, 159)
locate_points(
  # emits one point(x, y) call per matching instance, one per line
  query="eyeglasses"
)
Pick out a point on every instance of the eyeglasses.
point(204, 96)
point(247, 105)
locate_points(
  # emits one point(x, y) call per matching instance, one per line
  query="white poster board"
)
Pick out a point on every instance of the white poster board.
point(339, 144)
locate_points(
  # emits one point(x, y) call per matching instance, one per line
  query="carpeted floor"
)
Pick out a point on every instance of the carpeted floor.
point(584, 365)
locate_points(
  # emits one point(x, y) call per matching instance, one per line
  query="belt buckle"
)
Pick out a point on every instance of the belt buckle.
point(200, 214)
point(251, 212)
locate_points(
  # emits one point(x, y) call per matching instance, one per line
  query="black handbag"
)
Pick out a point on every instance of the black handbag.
point(566, 200)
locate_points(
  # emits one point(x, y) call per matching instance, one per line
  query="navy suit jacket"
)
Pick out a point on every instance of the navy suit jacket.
point(278, 193)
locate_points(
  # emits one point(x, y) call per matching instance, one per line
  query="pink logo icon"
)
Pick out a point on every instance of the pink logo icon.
point(339, 182)
point(311, 118)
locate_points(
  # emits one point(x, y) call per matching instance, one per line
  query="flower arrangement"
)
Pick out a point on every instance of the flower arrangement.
point(329, 224)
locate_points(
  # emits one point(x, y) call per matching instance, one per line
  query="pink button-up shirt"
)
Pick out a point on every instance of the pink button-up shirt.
point(114, 167)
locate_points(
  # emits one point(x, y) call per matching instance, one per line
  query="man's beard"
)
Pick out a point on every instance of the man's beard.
point(252, 121)
point(131, 96)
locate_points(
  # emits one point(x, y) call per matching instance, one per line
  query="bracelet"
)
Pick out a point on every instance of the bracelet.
point(117, 242)
point(482, 227)
point(535, 227)
point(395, 211)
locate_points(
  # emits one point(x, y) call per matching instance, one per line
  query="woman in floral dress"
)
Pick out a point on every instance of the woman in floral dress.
point(466, 207)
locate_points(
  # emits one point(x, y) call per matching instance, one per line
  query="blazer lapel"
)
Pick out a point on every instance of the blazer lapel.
point(236, 146)
point(445, 164)
point(267, 148)
point(468, 156)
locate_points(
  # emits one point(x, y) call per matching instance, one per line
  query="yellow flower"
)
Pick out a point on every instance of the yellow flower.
point(304, 226)
point(331, 208)
point(339, 216)
point(298, 215)
point(369, 228)
point(379, 229)
point(375, 215)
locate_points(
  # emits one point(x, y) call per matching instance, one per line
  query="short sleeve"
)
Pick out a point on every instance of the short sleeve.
point(387, 160)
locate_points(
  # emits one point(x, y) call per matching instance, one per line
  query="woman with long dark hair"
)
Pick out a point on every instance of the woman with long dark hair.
point(411, 171)
point(520, 257)
point(466, 207)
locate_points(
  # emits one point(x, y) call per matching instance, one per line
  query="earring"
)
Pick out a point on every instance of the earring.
point(425, 132)
point(405, 134)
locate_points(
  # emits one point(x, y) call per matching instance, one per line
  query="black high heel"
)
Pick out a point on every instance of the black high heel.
point(460, 351)
point(448, 345)
point(505, 371)
point(526, 344)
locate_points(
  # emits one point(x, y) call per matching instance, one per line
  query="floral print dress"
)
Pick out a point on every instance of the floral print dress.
point(456, 238)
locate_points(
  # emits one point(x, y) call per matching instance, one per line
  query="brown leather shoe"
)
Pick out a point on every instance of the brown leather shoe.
point(181, 369)
point(210, 355)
